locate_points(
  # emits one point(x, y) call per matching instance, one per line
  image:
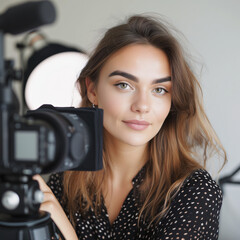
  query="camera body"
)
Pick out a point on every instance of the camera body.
point(54, 139)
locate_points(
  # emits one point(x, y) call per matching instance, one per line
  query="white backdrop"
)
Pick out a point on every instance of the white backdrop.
point(212, 31)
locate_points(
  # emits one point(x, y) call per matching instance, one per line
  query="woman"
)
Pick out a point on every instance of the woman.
point(153, 184)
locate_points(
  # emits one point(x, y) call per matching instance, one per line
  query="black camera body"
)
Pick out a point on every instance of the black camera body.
point(54, 139)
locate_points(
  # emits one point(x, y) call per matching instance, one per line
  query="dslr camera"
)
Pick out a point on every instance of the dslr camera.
point(46, 140)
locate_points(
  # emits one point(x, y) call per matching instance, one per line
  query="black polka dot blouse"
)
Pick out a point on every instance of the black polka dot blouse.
point(194, 213)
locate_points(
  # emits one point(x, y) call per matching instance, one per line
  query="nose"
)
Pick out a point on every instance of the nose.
point(141, 103)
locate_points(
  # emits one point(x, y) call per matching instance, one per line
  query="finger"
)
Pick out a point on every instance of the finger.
point(48, 206)
point(54, 209)
point(49, 197)
point(42, 184)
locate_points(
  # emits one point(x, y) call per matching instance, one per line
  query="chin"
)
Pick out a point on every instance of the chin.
point(126, 138)
point(135, 142)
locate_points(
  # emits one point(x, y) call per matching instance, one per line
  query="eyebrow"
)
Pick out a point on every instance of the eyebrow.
point(135, 79)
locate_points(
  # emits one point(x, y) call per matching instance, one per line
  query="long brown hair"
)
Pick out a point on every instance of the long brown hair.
point(173, 151)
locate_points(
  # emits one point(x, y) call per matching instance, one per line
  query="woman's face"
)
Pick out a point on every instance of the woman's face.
point(134, 90)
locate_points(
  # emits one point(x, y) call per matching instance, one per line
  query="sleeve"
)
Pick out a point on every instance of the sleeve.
point(194, 213)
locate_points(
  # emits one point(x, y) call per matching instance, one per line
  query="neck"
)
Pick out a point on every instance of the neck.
point(125, 160)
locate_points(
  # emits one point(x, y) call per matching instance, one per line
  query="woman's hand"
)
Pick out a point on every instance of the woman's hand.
point(50, 204)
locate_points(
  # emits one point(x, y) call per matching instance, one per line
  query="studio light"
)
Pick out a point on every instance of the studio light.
point(50, 73)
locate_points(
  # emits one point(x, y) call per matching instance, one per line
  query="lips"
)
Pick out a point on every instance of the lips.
point(137, 125)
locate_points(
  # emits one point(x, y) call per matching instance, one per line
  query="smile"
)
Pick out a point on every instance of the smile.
point(137, 125)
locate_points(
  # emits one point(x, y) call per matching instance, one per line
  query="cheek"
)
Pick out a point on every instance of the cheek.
point(110, 103)
point(162, 110)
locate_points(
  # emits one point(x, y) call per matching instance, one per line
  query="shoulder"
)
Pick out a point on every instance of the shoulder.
point(195, 209)
point(200, 185)
point(201, 190)
point(200, 178)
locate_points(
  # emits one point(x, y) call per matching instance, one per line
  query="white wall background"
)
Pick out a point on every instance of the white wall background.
point(212, 31)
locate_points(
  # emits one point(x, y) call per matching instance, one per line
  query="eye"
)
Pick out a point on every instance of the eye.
point(160, 91)
point(122, 85)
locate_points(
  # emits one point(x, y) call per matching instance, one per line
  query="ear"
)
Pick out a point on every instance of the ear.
point(91, 91)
